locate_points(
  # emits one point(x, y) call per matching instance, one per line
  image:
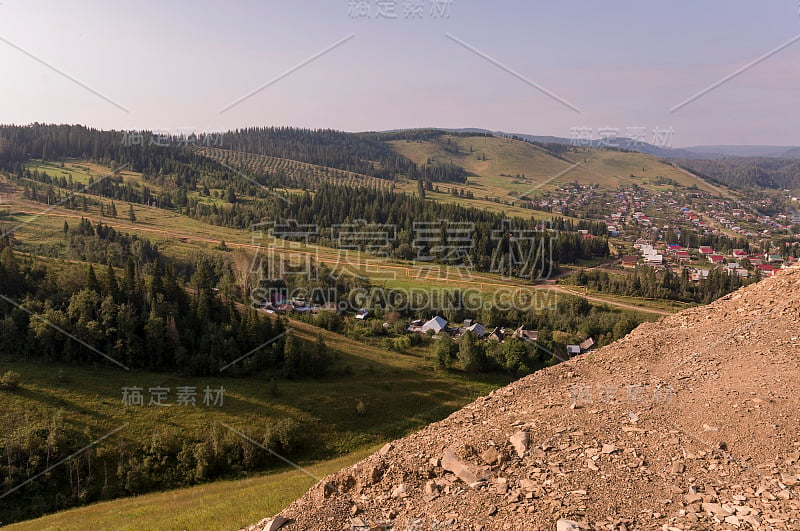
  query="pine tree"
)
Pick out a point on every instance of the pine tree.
point(291, 357)
point(318, 364)
point(111, 281)
point(129, 282)
point(131, 214)
point(157, 285)
point(91, 280)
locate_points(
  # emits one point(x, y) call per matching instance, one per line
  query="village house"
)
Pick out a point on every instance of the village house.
point(734, 268)
point(437, 324)
point(416, 325)
point(573, 350)
point(774, 259)
point(477, 329)
point(630, 261)
point(766, 270)
point(526, 335)
point(739, 253)
point(496, 335)
point(652, 259)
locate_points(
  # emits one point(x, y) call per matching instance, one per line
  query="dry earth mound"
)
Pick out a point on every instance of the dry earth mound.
point(688, 423)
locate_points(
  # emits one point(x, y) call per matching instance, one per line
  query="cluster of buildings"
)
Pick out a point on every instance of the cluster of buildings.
point(567, 198)
point(742, 218)
point(659, 255)
point(696, 210)
point(279, 304)
point(439, 326)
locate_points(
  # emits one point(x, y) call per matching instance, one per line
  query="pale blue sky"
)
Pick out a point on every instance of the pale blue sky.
point(624, 64)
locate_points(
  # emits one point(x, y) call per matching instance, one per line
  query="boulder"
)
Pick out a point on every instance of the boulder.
point(452, 463)
point(520, 441)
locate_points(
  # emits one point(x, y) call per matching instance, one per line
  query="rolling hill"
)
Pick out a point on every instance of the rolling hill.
point(506, 168)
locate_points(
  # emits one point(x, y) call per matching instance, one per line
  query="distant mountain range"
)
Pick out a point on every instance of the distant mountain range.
point(693, 152)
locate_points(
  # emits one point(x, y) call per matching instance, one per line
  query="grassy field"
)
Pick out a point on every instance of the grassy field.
point(400, 392)
point(370, 396)
point(81, 170)
point(224, 505)
point(504, 168)
point(654, 304)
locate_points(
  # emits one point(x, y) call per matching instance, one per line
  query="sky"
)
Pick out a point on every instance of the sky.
point(564, 68)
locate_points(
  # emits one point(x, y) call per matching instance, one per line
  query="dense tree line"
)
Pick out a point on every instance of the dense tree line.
point(439, 172)
point(151, 155)
point(494, 237)
point(666, 285)
point(141, 320)
point(345, 151)
point(103, 244)
point(114, 468)
point(419, 135)
point(748, 172)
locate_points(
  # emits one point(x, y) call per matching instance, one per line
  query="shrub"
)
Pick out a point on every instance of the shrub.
point(284, 436)
point(401, 343)
point(10, 380)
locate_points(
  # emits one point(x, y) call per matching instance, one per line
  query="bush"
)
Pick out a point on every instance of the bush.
point(10, 380)
point(401, 343)
point(361, 408)
point(284, 436)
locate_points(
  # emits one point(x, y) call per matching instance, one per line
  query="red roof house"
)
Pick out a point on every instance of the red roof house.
point(766, 270)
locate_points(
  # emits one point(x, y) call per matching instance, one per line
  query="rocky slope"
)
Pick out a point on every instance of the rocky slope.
point(692, 422)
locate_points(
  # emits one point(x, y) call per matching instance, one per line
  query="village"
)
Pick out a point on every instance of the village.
point(648, 226)
point(701, 260)
point(438, 326)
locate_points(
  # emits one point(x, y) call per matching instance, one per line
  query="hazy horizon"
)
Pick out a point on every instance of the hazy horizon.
point(712, 74)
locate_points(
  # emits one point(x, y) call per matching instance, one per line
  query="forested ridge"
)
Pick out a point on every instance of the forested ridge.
point(154, 153)
point(748, 172)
